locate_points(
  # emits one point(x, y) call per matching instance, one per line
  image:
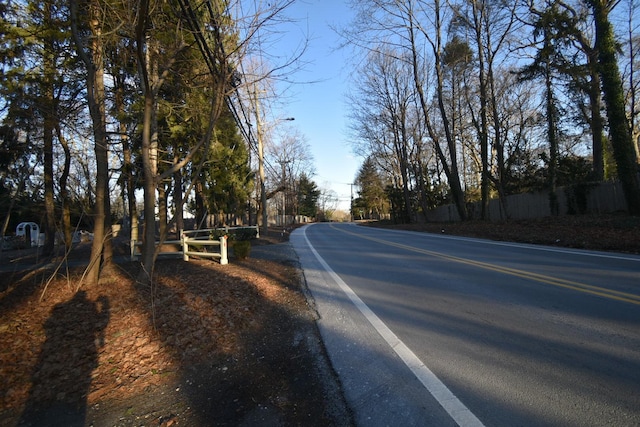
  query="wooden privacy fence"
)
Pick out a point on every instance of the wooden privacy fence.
point(605, 197)
point(213, 247)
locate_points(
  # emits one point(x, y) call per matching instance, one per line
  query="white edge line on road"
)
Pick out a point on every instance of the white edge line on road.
point(454, 407)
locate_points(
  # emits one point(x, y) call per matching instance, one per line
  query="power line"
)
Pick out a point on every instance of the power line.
point(210, 60)
point(241, 118)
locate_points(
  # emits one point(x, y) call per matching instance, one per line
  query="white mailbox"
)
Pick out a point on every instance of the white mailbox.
point(32, 230)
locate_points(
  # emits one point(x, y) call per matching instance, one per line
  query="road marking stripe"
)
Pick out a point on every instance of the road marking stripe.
point(449, 402)
point(554, 281)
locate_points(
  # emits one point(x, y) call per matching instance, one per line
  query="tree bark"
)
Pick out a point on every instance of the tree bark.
point(551, 133)
point(64, 192)
point(177, 197)
point(149, 186)
point(94, 61)
point(623, 149)
point(149, 143)
point(478, 19)
point(162, 210)
point(450, 170)
point(597, 125)
point(47, 106)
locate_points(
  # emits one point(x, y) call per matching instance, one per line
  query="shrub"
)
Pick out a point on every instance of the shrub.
point(243, 234)
point(242, 249)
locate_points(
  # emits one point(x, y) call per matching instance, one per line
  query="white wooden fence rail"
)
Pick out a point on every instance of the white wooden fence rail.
point(197, 238)
point(204, 241)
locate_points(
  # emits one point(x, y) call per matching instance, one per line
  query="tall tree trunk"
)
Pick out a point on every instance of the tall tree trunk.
point(498, 147)
point(94, 62)
point(623, 150)
point(64, 192)
point(551, 134)
point(149, 187)
point(177, 197)
point(400, 141)
point(594, 91)
point(101, 217)
point(146, 68)
point(131, 189)
point(127, 165)
point(47, 106)
point(149, 167)
point(49, 204)
point(421, 173)
point(633, 128)
point(162, 210)
point(450, 170)
point(478, 17)
point(597, 126)
point(201, 210)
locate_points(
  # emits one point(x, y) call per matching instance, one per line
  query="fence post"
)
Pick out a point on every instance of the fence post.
point(185, 246)
point(223, 251)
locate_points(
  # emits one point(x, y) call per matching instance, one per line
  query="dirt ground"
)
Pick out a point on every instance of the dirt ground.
point(205, 344)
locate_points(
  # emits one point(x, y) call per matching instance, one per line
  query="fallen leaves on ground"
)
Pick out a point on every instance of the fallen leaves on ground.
point(203, 344)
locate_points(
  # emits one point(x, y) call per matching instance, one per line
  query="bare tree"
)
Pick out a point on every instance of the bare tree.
point(288, 157)
point(430, 26)
point(489, 24)
point(327, 204)
point(387, 98)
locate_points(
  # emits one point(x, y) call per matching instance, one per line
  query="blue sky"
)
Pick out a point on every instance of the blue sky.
point(319, 108)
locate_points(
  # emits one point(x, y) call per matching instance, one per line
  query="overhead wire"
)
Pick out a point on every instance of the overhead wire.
point(192, 21)
point(209, 58)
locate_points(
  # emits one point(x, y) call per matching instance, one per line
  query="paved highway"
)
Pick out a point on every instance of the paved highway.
point(427, 329)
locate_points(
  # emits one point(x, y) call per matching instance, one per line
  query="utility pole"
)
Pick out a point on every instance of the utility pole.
point(263, 192)
point(283, 163)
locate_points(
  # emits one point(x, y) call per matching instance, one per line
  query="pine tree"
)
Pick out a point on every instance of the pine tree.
point(372, 196)
point(308, 195)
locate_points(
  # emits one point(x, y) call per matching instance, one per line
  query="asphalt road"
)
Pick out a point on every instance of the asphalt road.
point(428, 329)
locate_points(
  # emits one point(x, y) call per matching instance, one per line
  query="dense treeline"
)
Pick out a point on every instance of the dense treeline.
point(106, 102)
point(464, 101)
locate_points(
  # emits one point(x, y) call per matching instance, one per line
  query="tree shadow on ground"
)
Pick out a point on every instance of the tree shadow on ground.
point(260, 364)
point(62, 376)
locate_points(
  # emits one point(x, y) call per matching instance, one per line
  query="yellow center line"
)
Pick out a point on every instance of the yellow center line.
point(554, 281)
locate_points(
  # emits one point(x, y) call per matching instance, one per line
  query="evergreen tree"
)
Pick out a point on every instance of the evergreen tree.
point(308, 195)
point(229, 179)
point(373, 198)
